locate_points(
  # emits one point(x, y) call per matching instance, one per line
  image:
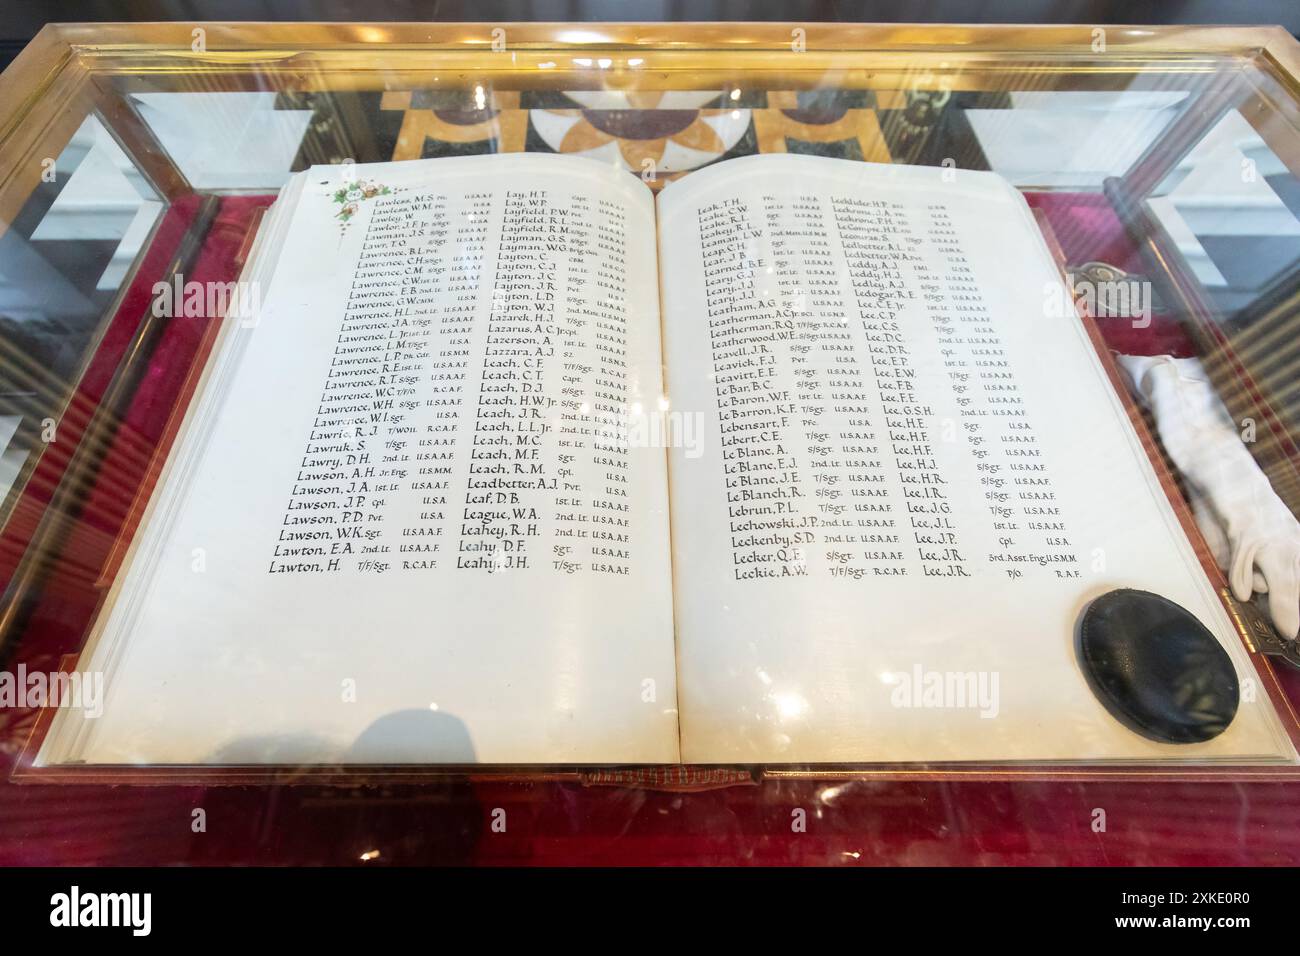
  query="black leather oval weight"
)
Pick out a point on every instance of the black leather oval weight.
point(1156, 668)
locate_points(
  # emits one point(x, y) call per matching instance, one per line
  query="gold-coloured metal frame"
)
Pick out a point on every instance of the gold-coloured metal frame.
point(71, 70)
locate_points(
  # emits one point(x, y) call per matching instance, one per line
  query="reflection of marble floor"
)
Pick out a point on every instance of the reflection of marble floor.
point(660, 133)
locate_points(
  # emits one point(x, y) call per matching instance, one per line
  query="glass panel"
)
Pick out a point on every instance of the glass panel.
point(226, 141)
point(1228, 212)
point(1073, 140)
point(63, 263)
point(1230, 207)
point(1165, 167)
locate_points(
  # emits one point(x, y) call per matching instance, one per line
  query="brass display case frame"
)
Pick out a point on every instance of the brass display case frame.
point(70, 71)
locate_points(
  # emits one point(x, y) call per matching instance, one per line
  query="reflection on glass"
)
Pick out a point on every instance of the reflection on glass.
point(1229, 210)
point(1229, 207)
point(227, 140)
point(62, 262)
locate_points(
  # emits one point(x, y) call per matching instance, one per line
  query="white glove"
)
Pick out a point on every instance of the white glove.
point(1252, 534)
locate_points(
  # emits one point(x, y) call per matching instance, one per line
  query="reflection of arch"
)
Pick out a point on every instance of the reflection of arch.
point(502, 123)
point(775, 124)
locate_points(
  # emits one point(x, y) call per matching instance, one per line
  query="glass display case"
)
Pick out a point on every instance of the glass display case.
point(1159, 170)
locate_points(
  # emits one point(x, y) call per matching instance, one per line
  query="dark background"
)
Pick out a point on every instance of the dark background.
point(21, 19)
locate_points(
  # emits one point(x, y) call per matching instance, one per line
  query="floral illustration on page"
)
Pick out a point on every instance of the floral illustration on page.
point(351, 195)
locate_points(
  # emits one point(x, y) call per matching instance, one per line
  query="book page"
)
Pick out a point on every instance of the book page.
point(400, 526)
point(912, 478)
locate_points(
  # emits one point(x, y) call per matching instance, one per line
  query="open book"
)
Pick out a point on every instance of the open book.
point(504, 460)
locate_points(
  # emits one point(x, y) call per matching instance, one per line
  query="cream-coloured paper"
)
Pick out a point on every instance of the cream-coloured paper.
point(425, 318)
point(914, 477)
